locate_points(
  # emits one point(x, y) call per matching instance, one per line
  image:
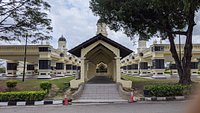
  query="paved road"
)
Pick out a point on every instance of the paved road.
point(150, 107)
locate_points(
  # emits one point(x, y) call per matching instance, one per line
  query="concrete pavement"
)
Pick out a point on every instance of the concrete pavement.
point(140, 107)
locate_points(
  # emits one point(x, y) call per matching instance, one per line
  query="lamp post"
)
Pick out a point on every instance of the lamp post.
point(25, 49)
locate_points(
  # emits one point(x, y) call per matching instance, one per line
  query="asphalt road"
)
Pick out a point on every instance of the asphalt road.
point(147, 107)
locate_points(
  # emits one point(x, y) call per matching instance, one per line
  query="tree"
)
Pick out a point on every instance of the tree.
point(21, 17)
point(164, 18)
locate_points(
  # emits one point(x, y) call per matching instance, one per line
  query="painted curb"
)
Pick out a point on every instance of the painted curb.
point(173, 98)
point(60, 102)
point(31, 103)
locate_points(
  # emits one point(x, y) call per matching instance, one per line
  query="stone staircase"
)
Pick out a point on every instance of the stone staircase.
point(100, 93)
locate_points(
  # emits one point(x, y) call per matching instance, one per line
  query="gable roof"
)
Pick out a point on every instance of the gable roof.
point(77, 50)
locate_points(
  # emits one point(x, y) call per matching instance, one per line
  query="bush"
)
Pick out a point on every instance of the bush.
point(167, 90)
point(11, 84)
point(22, 96)
point(45, 86)
point(66, 86)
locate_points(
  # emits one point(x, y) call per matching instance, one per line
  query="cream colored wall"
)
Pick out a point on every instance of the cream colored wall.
point(91, 72)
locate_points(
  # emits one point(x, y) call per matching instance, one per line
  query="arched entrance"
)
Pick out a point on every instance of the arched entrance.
point(102, 68)
point(95, 51)
point(100, 63)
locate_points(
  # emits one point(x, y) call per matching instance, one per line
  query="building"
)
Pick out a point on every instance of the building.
point(98, 56)
point(156, 59)
point(42, 60)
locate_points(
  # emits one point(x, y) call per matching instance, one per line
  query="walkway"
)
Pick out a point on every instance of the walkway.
point(100, 80)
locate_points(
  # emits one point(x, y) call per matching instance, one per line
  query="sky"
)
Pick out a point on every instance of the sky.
point(75, 21)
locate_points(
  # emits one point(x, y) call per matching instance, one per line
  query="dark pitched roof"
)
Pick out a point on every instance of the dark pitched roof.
point(123, 50)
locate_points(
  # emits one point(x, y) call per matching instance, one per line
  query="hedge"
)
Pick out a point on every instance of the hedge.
point(167, 90)
point(22, 96)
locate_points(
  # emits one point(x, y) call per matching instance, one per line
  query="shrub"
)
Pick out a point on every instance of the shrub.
point(66, 86)
point(45, 86)
point(11, 84)
point(167, 90)
point(22, 96)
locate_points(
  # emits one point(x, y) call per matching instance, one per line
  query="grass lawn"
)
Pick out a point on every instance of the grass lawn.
point(138, 83)
point(34, 85)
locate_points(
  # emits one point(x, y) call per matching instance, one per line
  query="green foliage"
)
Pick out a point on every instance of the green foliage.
point(168, 72)
point(167, 90)
point(144, 17)
point(21, 18)
point(66, 86)
point(11, 84)
point(45, 85)
point(22, 96)
point(2, 70)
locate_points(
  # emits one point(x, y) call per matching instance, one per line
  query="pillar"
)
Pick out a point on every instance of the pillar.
point(83, 69)
point(118, 71)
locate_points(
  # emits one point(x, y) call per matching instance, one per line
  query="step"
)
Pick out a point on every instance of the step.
point(100, 93)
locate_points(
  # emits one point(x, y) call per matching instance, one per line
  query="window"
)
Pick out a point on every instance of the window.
point(143, 65)
point(79, 67)
point(59, 66)
point(68, 66)
point(172, 66)
point(44, 49)
point(194, 65)
point(44, 64)
point(157, 48)
point(62, 55)
point(74, 67)
point(134, 66)
point(11, 66)
point(30, 67)
point(158, 64)
point(129, 67)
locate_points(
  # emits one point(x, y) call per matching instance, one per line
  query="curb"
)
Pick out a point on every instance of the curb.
point(60, 102)
point(173, 98)
point(31, 103)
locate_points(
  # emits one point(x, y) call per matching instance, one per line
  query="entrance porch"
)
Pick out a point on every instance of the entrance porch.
point(96, 52)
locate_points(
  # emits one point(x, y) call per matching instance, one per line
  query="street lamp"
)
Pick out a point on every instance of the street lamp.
point(25, 49)
point(180, 47)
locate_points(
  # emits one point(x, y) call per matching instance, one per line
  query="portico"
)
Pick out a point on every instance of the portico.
point(100, 49)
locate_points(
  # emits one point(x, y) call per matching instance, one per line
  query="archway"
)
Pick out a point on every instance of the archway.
point(102, 68)
point(100, 61)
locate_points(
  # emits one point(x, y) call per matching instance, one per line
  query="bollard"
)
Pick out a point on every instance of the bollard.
point(131, 98)
point(66, 100)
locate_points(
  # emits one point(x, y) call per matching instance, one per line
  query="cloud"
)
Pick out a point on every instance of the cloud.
point(75, 21)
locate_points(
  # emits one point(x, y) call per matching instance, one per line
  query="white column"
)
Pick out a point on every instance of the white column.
point(118, 71)
point(83, 69)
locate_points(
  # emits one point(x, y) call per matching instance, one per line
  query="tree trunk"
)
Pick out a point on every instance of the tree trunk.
point(175, 55)
point(183, 65)
point(186, 61)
